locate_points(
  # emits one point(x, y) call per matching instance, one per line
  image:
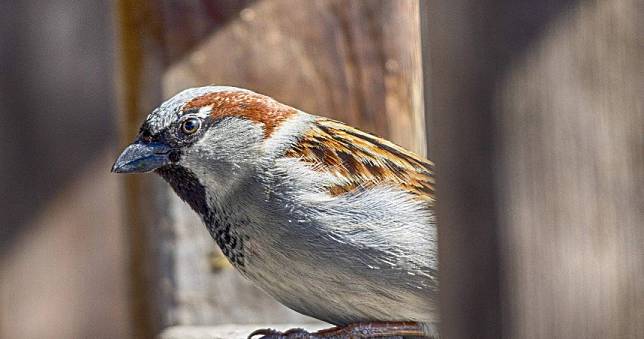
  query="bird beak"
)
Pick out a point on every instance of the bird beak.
point(142, 157)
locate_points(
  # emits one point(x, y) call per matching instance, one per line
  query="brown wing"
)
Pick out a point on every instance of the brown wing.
point(363, 160)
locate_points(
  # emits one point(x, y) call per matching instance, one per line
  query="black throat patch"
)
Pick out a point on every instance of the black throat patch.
point(187, 187)
point(190, 190)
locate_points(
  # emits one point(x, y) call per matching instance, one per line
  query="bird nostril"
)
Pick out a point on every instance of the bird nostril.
point(146, 136)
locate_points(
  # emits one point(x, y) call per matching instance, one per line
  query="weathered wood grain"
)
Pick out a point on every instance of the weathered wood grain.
point(351, 60)
point(538, 132)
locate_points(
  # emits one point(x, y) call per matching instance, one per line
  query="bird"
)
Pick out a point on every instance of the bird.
point(331, 221)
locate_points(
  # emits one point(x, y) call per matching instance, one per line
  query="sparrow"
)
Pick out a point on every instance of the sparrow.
point(333, 222)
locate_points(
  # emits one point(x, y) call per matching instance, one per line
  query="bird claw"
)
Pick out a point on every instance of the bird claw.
point(264, 332)
point(269, 333)
point(389, 330)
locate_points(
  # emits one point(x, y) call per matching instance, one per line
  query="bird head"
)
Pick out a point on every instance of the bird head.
point(212, 135)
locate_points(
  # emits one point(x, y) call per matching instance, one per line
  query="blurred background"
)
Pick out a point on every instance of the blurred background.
point(61, 241)
point(532, 112)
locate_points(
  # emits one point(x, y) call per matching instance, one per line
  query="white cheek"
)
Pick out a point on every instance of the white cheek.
point(227, 152)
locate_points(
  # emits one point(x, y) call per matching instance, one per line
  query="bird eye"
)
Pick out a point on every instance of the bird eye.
point(190, 125)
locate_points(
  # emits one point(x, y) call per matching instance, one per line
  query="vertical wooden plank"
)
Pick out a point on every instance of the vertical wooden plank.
point(140, 65)
point(404, 95)
point(459, 52)
point(536, 128)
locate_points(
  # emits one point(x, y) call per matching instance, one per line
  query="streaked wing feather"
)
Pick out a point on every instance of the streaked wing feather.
point(363, 160)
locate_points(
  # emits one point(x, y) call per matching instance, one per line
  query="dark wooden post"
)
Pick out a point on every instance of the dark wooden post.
point(536, 125)
point(460, 69)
